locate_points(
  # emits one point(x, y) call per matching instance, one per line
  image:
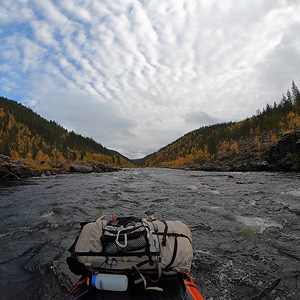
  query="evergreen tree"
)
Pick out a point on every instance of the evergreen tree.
point(296, 97)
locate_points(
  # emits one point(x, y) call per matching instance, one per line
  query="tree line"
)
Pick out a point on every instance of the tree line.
point(26, 135)
point(227, 140)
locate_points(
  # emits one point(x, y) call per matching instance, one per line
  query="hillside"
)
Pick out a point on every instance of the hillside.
point(243, 145)
point(24, 135)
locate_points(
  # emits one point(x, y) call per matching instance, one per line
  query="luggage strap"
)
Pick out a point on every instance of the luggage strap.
point(143, 279)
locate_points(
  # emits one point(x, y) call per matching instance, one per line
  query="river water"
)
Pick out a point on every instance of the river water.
point(246, 227)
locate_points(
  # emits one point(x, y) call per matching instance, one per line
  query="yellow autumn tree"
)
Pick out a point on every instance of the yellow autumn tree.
point(256, 142)
point(293, 121)
point(14, 155)
point(223, 149)
point(234, 148)
point(273, 139)
point(57, 156)
point(41, 156)
point(2, 113)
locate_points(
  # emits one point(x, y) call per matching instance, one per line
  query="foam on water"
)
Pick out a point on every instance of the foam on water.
point(47, 214)
point(258, 224)
point(295, 193)
point(215, 192)
point(291, 201)
point(192, 188)
point(218, 210)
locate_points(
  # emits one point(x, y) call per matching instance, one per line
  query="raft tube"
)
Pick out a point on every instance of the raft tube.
point(175, 287)
point(191, 287)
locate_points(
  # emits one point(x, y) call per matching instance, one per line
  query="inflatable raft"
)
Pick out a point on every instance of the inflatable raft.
point(175, 287)
point(133, 258)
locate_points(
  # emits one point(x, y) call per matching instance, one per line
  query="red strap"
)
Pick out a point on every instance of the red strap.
point(80, 282)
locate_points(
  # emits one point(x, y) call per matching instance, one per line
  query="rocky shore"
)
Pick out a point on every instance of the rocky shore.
point(88, 167)
point(238, 164)
point(17, 170)
point(283, 156)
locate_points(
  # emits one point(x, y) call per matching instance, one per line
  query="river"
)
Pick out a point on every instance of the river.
point(246, 227)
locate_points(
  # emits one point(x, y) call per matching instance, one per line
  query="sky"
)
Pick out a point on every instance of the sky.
point(137, 75)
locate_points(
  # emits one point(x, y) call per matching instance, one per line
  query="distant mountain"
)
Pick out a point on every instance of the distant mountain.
point(26, 135)
point(243, 145)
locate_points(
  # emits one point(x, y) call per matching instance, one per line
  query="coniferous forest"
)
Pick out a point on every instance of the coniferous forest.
point(24, 135)
point(222, 143)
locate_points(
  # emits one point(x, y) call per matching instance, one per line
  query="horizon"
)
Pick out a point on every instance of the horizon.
point(140, 158)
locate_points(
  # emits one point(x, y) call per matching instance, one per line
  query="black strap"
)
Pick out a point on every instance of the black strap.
point(138, 254)
point(174, 254)
point(164, 239)
point(144, 263)
point(124, 231)
point(124, 221)
point(173, 234)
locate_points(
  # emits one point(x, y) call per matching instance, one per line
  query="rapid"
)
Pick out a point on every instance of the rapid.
point(245, 226)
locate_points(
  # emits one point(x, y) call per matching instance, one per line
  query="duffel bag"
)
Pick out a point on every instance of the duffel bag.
point(130, 243)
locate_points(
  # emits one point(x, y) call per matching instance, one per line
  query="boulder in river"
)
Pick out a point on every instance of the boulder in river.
point(89, 167)
point(101, 167)
point(9, 171)
point(81, 168)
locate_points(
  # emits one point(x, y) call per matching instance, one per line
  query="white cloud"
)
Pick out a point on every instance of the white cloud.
point(150, 70)
point(14, 12)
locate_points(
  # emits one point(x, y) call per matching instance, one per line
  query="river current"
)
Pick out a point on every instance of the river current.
point(245, 226)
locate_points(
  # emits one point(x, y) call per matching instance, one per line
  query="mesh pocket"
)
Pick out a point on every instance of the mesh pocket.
point(135, 241)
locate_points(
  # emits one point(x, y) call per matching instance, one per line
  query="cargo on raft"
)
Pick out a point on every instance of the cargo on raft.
point(133, 258)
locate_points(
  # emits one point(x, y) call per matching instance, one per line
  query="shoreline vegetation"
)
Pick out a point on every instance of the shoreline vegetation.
point(282, 156)
point(14, 170)
point(268, 141)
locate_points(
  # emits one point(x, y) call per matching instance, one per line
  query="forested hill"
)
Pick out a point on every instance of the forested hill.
point(235, 145)
point(27, 136)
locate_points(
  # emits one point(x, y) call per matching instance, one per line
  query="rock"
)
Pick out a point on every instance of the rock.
point(35, 172)
point(4, 158)
point(24, 171)
point(101, 167)
point(6, 174)
point(20, 163)
point(285, 155)
point(49, 172)
point(89, 167)
point(76, 168)
point(10, 171)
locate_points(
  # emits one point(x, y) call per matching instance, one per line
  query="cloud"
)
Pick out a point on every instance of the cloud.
point(200, 118)
point(15, 12)
point(147, 72)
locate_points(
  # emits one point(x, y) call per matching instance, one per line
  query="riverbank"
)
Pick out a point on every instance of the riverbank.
point(15, 170)
point(282, 156)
